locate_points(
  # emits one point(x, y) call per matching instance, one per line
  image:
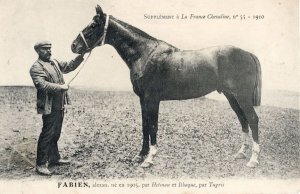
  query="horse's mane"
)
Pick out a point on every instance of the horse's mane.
point(133, 29)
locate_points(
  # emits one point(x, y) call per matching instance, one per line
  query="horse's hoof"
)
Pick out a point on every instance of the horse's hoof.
point(137, 158)
point(252, 164)
point(146, 164)
point(239, 156)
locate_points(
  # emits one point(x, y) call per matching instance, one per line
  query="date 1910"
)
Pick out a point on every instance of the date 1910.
point(246, 17)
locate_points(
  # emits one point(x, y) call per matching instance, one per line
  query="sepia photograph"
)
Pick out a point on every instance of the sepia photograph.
point(159, 96)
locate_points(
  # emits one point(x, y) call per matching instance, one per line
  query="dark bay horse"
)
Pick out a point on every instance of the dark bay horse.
point(160, 71)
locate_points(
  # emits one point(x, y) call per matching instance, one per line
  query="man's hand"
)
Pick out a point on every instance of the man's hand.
point(64, 87)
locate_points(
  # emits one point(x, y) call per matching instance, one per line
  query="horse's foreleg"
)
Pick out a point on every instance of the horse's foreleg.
point(151, 108)
point(149, 159)
point(153, 126)
point(145, 147)
point(153, 131)
point(152, 116)
point(149, 120)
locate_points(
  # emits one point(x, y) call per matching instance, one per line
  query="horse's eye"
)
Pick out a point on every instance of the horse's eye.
point(97, 19)
point(93, 25)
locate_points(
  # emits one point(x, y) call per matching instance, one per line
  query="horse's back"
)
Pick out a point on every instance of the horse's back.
point(184, 74)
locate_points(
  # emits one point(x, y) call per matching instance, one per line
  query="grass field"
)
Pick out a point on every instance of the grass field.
point(102, 133)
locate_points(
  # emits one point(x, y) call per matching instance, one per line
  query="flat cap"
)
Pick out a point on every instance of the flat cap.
point(42, 44)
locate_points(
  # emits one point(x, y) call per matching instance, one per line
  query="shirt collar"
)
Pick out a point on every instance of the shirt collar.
point(44, 62)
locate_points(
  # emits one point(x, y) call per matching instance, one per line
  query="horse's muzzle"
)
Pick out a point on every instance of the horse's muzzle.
point(73, 48)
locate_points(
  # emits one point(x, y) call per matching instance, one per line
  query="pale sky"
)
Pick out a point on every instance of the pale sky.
point(274, 39)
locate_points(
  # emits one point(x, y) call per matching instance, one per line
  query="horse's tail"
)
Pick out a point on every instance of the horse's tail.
point(256, 98)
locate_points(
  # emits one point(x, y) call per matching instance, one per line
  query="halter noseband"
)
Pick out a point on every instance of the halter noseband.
point(101, 39)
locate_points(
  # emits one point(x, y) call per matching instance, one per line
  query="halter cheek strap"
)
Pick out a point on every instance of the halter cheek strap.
point(101, 39)
point(105, 29)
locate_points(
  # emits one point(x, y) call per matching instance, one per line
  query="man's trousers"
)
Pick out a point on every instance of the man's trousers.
point(47, 149)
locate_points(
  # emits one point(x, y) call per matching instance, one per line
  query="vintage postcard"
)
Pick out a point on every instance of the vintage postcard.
point(159, 96)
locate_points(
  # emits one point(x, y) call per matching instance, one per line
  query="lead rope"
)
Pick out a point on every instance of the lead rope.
point(80, 68)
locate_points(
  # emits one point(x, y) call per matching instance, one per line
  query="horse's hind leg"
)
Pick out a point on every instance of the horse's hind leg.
point(241, 154)
point(245, 102)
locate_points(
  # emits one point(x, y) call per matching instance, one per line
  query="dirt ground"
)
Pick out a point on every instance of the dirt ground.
point(102, 133)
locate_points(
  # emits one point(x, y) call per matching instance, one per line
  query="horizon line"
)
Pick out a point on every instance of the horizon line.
point(122, 88)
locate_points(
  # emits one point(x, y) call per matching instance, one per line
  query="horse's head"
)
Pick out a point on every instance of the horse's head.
point(92, 35)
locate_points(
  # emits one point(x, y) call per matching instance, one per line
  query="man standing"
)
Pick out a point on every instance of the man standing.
point(51, 97)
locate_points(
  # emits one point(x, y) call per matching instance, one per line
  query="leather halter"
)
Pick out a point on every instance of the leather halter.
point(101, 39)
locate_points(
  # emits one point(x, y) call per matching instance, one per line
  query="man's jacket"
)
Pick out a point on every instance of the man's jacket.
point(47, 78)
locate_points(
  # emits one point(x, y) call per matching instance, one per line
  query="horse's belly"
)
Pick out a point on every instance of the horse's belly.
point(184, 94)
point(185, 85)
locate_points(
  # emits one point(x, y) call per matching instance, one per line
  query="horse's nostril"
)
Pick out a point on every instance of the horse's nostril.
point(73, 46)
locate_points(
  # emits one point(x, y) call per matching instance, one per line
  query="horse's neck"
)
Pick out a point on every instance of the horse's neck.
point(132, 44)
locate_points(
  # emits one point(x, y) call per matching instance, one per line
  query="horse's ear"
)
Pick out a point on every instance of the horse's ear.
point(99, 10)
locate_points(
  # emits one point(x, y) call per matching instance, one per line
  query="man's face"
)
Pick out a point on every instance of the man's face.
point(44, 53)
